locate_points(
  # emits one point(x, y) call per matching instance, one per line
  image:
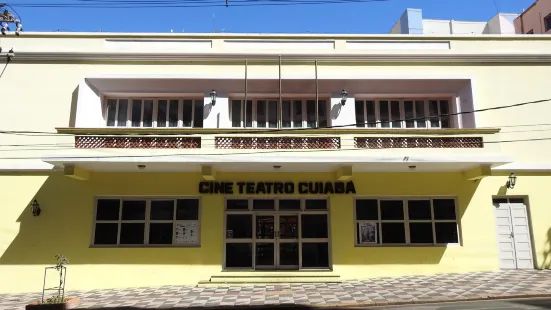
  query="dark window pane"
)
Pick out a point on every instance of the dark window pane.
point(360, 117)
point(516, 200)
point(272, 114)
point(445, 109)
point(148, 113)
point(289, 204)
point(444, 209)
point(132, 233)
point(322, 114)
point(419, 209)
point(263, 204)
point(162, 108)
point(368, 236)
point(108, 210)
point(286, 114)
point(160, 233)
point(261, 113)
point(371, 117)
point(239, 255)
point(392, 209)
point(366, 209)
point(173, 113)
point(237, 204)
point(395, 114)
point(311, 119)
point(500, 200)
point(111, 112)
point(433, 112)
point(236, 113)
point(409, 114)
point(136, 113)
point(265, 254)
point(393, 233)
point(297, 113)
point(133, 210)
point(314, 225)
point(316, 204)
point(420, 233)
point(187, 209)
point(187, 113)
point(198, 114)
point(420, 115)
point(383, 112)
point(122, 115)
point(106, 233)
point(446, 233)
point(162, 210)
point(249, 114)
point(239, 226)
point(315, 255)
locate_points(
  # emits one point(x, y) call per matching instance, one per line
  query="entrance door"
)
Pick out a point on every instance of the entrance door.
point(276, 241)
point(513, 234)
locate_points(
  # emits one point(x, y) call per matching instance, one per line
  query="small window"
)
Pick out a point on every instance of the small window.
point(408, 113)
point(161, 113)
point(547, 22)
point(418, 221)
point(142, 222)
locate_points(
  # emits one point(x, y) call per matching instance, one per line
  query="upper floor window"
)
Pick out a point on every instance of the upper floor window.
point(137, 112)
point(414, 113)
point(547, 22)
point(271, 114)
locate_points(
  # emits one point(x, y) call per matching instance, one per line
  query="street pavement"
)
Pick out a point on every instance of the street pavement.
point(359, 293)
point(509, 304)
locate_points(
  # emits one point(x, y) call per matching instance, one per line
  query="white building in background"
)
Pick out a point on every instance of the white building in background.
point(412, 22)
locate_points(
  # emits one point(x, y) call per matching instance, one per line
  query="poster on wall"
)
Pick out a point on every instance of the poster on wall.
point(187, 233)
point(368, 233)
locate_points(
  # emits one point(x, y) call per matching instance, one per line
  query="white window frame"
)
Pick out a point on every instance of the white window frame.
point(155, 111)
point(147, 222)
point(280, 112)
point(377, 101)
point(406, 222)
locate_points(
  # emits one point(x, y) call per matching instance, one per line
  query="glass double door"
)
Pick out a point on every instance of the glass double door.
point(276, 242)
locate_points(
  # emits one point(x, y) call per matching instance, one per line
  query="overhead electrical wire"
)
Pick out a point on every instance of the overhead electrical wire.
point(133, 4)
point(248, 152)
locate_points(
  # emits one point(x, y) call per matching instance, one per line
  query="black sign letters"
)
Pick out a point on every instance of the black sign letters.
point(288, 188)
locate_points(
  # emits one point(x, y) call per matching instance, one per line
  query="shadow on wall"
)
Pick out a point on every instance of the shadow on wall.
point(65, 227)
point(65, 224)
point(73, 112)
point(546, 264)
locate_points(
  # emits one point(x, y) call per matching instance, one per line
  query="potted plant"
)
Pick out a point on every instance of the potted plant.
point(58, 301)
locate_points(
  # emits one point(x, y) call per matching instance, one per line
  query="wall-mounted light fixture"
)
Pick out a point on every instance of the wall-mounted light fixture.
point(344, 96)
point(512, 181)
point(213, 97)
point(35, 208)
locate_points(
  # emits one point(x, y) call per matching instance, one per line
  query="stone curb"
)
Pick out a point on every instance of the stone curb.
point(437, 300)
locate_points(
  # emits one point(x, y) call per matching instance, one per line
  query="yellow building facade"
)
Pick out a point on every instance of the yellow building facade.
point(209, 159)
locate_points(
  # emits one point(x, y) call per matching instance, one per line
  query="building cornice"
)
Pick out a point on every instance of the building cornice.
point(309, 131)
point(327, 57)
point(283, 36)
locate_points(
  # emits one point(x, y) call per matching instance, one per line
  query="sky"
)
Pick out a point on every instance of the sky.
point(358, 17)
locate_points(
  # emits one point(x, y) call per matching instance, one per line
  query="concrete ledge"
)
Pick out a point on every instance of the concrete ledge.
point(395, 302)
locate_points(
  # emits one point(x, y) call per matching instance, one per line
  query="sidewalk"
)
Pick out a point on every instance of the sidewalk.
point(381, 291)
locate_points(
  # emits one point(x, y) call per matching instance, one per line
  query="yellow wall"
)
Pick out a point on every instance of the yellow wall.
point(29, 243)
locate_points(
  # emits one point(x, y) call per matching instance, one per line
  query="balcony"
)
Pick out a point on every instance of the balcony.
point(267, 139)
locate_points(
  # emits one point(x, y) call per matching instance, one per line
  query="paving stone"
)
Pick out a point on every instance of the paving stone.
point(381, 291)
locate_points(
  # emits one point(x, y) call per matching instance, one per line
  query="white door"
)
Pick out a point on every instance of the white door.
point(513, 234)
